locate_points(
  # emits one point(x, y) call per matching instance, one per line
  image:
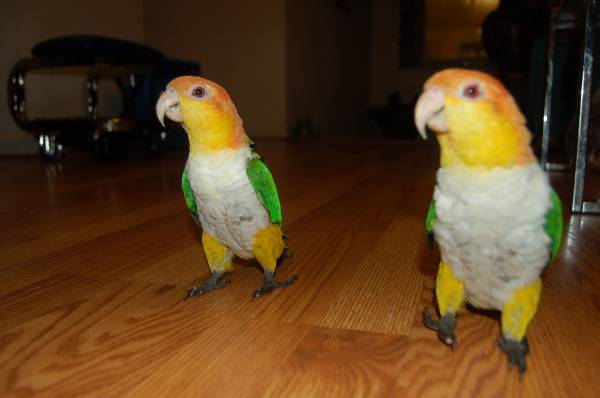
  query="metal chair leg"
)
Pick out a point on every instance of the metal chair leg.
point(578, 205)
point(91, 85)
point(49, 148)
point(544, 162)
point(548, 93)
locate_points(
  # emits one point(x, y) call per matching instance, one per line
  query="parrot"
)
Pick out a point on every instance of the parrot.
point(227, 187)
point(494, 216)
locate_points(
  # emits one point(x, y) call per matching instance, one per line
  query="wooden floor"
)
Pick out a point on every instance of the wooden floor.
point(95, 259)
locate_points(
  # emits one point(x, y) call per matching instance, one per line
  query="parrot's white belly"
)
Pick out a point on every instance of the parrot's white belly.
point(228, 206)
point(490, 229)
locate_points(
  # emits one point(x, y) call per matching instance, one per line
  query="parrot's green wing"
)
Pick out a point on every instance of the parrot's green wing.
point(188, 194)
point(554, 224)
point(429, 221)
point(262, 181)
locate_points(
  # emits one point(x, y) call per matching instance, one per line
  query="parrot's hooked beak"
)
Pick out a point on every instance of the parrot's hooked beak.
point(429, 112)
point(168, 104)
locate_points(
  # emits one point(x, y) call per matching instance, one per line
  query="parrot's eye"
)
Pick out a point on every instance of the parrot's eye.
point(471, 91)
point(198, 92)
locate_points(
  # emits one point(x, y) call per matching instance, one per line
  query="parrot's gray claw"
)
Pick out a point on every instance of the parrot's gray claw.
point(445, 327)
point(516, 352)
point(272, 284)
point(210, 284)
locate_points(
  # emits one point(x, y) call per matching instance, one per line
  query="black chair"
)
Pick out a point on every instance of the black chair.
point(140, 73)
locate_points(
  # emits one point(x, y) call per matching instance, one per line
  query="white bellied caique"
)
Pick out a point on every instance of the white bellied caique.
point(228, 189)
point(494, 215)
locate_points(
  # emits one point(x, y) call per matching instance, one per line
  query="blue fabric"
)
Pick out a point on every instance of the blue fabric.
point(90, 49)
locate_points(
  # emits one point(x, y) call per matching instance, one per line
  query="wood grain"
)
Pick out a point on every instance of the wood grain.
point(95, 259)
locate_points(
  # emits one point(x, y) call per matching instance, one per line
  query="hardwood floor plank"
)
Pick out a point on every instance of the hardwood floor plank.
point(577, 267)
point(45, 295)
point(11, 279)
point(93, 345)
point(122, 253)
point(331, 362)
point(207, 364)
point(45, 245)
point(387, 283)
point(384, 288)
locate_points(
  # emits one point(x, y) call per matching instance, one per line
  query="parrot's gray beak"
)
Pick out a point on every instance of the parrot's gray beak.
point(429, 112)
point(168, 105)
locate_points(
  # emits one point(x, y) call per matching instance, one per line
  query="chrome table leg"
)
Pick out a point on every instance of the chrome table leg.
point(578, 205)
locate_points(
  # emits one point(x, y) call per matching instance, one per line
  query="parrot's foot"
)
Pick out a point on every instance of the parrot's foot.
point(515, 351)
point(271, 284)
point(445, 327)
point(287, 253)
point(213, 282)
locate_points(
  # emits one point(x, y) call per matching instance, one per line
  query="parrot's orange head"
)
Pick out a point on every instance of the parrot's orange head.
point(206, 112)
point(476, 120)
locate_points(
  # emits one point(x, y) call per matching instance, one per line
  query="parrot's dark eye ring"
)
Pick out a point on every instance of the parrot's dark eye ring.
point(471, 91)
point(198, 92)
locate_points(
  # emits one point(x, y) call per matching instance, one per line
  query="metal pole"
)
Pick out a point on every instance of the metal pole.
point(584, 105)
point(92, 97)
point(548, 94)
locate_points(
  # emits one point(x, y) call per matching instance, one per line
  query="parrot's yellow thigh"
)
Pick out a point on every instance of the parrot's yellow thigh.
point(520, 309)
point(219, 257)
point(449, 290)
point(267, 246)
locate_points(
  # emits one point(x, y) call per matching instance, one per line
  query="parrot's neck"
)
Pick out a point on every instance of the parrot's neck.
point(484, 151)
point(213, 130)
point(207, 139)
